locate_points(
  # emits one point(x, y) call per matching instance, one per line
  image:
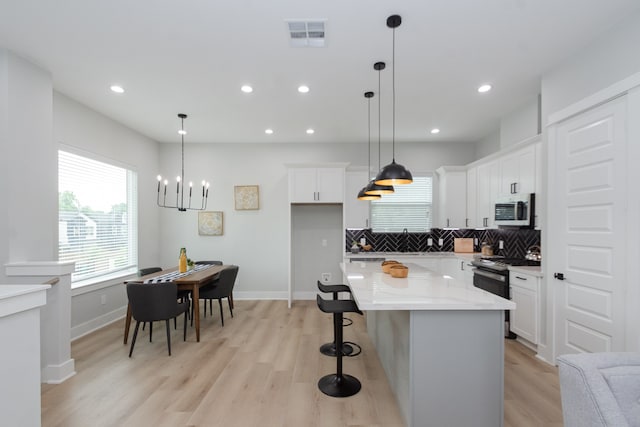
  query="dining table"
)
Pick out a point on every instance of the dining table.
point(192, 281)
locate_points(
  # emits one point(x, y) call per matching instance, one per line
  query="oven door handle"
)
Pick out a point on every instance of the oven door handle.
point(489, 275)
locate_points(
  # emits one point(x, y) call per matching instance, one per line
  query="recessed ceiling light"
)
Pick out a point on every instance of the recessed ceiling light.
point(435, 130)
point(246, 89)
point(310, 131)
point(268, 131)
point(303, 89)
point(484, 88)
point(182, 132)
point(117, 89)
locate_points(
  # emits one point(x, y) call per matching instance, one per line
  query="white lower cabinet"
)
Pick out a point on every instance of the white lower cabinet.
point(525, 291)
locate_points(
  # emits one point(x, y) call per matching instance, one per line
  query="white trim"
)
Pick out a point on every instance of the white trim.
point(77, 288)
point(600, 97)
point(506, 150)
point(57, 374)
point(97, 322)
point(39, 268)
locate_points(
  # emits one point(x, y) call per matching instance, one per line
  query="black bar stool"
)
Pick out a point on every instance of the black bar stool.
point(329, 349)
point(338, 384)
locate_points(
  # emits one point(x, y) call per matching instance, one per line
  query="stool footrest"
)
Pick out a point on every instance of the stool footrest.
point(329, 349)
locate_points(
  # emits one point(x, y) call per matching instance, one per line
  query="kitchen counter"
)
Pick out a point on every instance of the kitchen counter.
point(423, 289)
point(440, 342)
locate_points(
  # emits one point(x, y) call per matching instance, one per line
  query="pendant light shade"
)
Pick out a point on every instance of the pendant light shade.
point(362, 194)
point(394, 173)
point(372, 187)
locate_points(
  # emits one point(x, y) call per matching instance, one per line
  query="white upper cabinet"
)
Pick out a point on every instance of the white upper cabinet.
point(316, 185)
point(472, 198)
point(452, 196)
point(356, 212)
point(517, 172)
point(488, 188)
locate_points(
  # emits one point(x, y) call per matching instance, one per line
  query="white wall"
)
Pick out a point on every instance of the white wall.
point(86, 130)
point(488, 145)
point(520, 124)
point(608, 59)
point(28, 222)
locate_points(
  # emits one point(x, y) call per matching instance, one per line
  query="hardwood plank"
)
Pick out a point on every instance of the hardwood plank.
point(260, 369)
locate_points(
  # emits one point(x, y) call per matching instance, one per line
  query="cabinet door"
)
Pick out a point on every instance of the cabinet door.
point(452, 199)
point(540, 193)
point(330, 185)
point(524, 290)
point(517, 172)
point(316, 185)
point(524, 319)
point(356, 212)
point(488, 182)
point(302, 185)
point(472, 198)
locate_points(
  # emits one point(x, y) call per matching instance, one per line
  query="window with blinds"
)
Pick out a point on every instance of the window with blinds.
point(410, 207)
point(97, 217)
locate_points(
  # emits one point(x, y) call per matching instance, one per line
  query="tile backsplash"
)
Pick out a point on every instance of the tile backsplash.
point(516, 241)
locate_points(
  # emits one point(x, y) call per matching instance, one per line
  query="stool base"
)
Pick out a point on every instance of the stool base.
point(339, 386)
point(329, 349)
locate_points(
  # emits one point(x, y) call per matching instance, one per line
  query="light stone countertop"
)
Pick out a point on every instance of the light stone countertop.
point(423, 289)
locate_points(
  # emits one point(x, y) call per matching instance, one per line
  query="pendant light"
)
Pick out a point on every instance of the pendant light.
point(362, 195)
point(394, 173)
point(180, 186)
point(372, 187)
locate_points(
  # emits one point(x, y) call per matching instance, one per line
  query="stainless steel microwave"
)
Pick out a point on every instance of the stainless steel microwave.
point(517, 210)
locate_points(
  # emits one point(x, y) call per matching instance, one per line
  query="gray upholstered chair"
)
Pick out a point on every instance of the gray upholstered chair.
point(222, 288)
point(148, 270)
point(210, 262)
point(600, 389)
point(157, 301)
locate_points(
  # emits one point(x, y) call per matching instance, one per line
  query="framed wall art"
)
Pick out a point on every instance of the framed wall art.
point(210, 223)
point(247, 197)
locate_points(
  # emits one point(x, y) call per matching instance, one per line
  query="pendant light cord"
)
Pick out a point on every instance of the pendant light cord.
point(369, 129)
point(393, 90)
point(182, 171)
point(379, 102)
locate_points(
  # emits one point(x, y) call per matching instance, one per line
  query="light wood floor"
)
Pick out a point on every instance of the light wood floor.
point(260, 369)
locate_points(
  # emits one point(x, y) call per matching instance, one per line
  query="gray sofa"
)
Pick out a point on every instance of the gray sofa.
point(600, 389)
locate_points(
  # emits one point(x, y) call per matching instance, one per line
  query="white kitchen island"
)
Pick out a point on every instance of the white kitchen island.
point(441, 344)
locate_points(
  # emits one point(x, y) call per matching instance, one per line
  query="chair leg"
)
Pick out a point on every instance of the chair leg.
point(175, 323)
point(168, 337)
point(133, 340)
point(150, 331)
point(221, 315)
point(210, 307)
point(230, 306)
point(186, 314)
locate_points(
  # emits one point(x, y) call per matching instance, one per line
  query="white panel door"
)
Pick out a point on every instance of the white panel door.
point(587, 235)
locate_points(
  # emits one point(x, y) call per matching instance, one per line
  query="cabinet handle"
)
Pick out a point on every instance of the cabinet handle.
point(462, 265)
point(485, 221)
point(366, 223)
point(447, 222)
point(521, 278)
point(466, 222)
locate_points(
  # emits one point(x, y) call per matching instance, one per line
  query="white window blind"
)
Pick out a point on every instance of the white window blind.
point(97, 216)
point(410, 207)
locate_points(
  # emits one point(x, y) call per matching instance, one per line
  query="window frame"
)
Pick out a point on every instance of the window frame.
point(430, 205)
point(132, 221)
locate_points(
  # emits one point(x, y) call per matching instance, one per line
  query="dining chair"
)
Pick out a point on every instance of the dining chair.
point(157, 301)
point(210, 262)
point(220, 289)
point(182, 296)
point(148, 270)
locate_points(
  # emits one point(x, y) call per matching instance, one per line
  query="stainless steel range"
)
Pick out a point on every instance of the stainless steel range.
point(492, 275)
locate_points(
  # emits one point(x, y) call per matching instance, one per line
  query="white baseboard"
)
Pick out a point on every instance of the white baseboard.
point(57, 374)
point(97, 323)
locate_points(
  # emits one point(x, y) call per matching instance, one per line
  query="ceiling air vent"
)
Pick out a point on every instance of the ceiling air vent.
point(306, 33)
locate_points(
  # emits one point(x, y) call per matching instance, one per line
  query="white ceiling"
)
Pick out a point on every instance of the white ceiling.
point(192, 56)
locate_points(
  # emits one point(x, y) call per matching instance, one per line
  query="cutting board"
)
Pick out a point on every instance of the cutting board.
point(464, 245)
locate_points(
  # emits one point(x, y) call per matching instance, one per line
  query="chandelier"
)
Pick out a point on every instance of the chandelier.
point(180, 205)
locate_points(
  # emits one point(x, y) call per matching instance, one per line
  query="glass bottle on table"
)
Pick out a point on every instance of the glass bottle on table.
point(182, 261)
